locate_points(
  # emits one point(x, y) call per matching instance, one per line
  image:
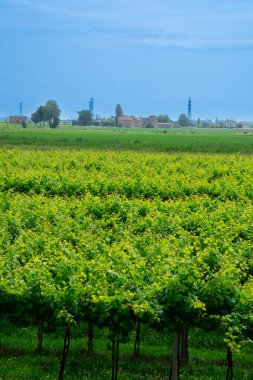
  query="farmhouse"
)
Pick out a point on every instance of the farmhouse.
point(17, 119)
point(132, 121)
point(129, 121)
point(150, 121)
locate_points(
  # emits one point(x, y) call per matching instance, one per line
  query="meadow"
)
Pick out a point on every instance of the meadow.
point(134, 139)
point(116, 245)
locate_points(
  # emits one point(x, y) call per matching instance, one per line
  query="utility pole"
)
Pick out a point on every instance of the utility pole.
point(21, 108)
point(91, 106)
point(189, 110)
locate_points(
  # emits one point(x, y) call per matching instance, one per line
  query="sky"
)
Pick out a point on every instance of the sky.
point(148, 56)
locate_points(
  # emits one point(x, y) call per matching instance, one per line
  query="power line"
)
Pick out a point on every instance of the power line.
point(165, 109)
point(176, 108)
point(159, 107)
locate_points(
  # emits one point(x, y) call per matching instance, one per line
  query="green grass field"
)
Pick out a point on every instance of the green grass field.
point(134, 139)
point(18, 359)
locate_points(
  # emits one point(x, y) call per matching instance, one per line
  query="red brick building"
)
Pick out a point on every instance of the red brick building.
point(17, 119)
point(129, 121)
point(132, 121)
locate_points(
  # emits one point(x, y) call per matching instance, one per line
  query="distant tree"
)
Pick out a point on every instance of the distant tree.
point(205, 124)
point(118, 113)
point(49, 113)
point(163, 119)
point(96, 123)
point(85, 117)
point(52, 113)
point(183, 120)
point(39, 115)
point(109, 122)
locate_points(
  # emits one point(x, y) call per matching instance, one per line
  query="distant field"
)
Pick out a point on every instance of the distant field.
point(134, 139)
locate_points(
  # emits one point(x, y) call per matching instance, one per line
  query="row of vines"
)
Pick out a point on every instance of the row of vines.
point(121, 240)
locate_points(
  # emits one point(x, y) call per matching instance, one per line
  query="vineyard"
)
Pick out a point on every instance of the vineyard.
point(124, 241)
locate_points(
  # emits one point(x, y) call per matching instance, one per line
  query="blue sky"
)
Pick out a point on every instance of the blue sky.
point(149, 56)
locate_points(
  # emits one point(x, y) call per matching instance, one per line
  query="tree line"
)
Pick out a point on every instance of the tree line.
point(50, 114)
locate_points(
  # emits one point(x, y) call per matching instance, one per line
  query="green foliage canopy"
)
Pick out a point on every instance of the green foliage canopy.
point(183, 121)
point(163, 119)
point(49, 113)
point(100, 235)
point(84, 118)
point(118, 112)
